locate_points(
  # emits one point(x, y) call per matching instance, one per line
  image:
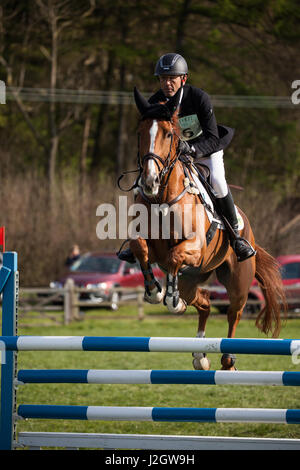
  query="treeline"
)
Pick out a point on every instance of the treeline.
point(59, 152)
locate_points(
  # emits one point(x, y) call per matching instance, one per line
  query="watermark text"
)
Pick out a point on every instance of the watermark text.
point(2, 92)
point(160, 221)
point(296, 356)
point(295, 97)
point(2, 353)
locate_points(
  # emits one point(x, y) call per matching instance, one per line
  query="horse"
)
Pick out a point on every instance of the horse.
point(190, 257)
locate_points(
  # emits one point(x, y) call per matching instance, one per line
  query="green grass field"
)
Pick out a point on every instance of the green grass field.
point(155, 395)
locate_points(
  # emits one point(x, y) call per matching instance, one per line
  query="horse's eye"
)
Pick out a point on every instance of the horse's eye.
point(169, 134)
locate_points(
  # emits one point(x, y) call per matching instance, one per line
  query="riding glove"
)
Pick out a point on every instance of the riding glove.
point(186, 149)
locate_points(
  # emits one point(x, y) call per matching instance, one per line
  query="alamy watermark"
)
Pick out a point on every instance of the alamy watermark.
point(159, 222)
point(2, 92)
point(2, 353)
point(296, 356)
point(295, 97)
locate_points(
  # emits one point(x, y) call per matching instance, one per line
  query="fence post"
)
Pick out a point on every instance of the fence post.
point(9, 280)
point(68, 301)
point(74, 302)
point(140, 302)
point(71, 307)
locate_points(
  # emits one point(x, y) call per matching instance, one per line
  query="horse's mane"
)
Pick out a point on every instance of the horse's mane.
point(157, 111)
point(161, 112)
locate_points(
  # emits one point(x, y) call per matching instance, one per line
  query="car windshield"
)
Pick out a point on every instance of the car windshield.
point(291, 271)
point(96, 264)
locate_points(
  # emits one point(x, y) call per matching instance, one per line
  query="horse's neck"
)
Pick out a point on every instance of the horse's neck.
point(175, 183)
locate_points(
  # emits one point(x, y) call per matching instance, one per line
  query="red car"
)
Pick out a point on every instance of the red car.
point(105, 271)
point(290, 272)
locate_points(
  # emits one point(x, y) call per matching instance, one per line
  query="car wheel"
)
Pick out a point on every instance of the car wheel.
point(252, 309)
point(222, 309)
point(115, 298)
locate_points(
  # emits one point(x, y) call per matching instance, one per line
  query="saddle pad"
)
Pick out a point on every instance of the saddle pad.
point(209, 207)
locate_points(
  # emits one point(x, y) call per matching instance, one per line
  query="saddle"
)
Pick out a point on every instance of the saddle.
point(202, 170)
point(193, 164)
point(198, 175)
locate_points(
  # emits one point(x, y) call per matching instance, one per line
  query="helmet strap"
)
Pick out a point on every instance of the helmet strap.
point(183, 80)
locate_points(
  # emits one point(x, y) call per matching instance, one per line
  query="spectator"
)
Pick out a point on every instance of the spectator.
point(73, 256)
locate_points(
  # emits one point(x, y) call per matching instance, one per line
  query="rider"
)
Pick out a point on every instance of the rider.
point(201, 138)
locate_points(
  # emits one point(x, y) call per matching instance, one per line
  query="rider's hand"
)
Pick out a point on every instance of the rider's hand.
point(186, 149)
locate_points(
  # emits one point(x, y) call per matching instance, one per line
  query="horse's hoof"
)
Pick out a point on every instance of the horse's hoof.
point(155, 296)
point(228, 361)
point(180, 307)
point(201, 362)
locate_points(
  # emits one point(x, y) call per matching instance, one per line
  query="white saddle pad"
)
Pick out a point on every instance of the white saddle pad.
point(210, 209)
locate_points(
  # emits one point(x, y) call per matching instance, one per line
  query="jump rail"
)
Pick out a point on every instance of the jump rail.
point(284, 347)
point(208, 377)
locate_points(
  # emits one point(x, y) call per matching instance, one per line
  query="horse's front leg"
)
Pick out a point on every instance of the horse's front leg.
point(153, 290)
point(178, 255)
point(172, 297)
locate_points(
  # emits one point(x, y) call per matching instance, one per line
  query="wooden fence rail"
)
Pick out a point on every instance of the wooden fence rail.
point(67, 299)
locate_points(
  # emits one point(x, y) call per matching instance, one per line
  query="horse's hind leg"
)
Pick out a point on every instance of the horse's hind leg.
point(199, 298)
point(237, 278)
point(153, 290)
point(200, 360)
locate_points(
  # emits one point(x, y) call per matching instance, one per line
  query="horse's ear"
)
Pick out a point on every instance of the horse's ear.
point(141, 102)
point(173, 103)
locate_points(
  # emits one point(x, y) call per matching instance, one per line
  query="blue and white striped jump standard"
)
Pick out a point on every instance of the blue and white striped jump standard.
point(207, 377)
point(151, 344)
point(132, 413)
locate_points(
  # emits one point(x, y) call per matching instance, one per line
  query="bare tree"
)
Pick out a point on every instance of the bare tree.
point(56, 14)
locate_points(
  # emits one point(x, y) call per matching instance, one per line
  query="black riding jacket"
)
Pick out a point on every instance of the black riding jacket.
point(198, 122)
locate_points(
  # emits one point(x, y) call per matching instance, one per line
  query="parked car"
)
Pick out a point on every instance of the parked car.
point(105, 271)
point(290, 272)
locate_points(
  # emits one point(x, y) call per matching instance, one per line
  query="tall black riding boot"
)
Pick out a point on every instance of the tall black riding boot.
point(241, 246)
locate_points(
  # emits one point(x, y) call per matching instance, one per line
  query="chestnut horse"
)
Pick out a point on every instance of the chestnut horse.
point(189, 258)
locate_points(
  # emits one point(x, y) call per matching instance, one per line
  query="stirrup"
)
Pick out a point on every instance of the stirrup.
point(245, 252)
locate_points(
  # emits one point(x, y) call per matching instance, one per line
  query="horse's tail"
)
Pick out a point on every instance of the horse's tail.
point(269, 278)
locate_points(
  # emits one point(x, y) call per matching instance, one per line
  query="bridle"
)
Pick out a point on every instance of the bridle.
point(164, 173)
point(166, 163)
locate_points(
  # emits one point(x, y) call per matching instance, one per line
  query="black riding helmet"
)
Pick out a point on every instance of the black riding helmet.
point(171, 64)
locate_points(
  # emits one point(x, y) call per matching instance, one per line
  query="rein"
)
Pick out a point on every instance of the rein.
point(168, 169)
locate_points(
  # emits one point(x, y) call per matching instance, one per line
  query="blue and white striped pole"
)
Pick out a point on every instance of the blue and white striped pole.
point(9, 285)
point(208, 377)
point(285, 347)
point(137, 413)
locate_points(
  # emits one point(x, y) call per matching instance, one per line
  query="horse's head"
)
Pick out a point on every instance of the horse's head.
point(157, 140)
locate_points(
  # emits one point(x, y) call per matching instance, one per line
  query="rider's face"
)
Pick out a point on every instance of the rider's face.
point(170, 84)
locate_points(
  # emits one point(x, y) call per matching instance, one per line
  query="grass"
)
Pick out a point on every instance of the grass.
point(155, 395)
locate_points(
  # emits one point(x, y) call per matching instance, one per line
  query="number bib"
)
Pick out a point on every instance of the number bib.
point(189, 127)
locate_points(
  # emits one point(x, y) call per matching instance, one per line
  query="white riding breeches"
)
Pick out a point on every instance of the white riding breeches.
point(215, 163)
